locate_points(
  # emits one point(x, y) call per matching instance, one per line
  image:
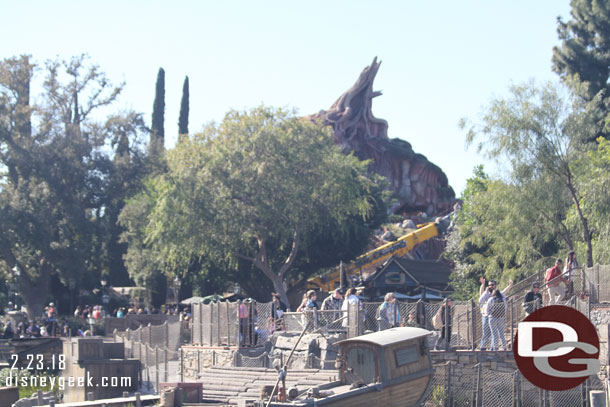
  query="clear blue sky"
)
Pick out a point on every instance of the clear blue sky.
point(441, 61)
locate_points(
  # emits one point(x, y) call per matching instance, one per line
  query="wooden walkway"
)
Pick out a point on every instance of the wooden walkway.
point(230, 384)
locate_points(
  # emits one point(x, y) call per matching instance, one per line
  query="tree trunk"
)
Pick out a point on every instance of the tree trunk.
point(585, 223)
point(35, 293)
point(280, 288)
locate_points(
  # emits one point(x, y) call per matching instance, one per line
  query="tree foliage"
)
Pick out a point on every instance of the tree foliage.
point(53, 195)
point(258, 187)
point(183, 119)
point(584, 54)
point(157, 133)
point(585, 47)
point(541, 133)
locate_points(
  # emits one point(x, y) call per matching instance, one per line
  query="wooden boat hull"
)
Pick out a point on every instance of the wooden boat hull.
point(406, 393)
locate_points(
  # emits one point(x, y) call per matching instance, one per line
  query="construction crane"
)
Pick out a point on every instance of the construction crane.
point(400, 247)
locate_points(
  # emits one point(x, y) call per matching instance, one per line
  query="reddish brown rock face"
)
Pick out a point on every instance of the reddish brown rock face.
point(419, 184)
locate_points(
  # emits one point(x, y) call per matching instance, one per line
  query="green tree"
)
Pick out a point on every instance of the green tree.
point(256, 187)
point(56, 161)
point(585, 47)
point(157, 134)
point(541, 134)
point(124, 179)
point(183, 119)
point(595, 190)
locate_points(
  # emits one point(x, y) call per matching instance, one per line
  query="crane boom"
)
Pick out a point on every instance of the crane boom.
point(400, 247)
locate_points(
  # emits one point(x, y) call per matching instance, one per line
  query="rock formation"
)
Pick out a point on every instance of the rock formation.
point(418, 184)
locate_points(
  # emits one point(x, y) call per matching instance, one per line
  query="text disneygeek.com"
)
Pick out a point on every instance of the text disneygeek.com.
point(63, 382)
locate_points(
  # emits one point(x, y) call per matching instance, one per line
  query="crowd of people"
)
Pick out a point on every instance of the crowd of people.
point(48, 325)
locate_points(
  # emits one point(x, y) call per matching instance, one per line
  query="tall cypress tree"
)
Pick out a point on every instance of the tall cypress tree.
point(183, 121)
point(157, 135)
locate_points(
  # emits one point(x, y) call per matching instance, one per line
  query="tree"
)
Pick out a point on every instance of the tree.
point(592, 172)
point(183, 120)
point(124, 178)
point(584, 55)
point(52, 194)
point(255, 188)
point(541, 133)
point(157, 134)
point(585, 48)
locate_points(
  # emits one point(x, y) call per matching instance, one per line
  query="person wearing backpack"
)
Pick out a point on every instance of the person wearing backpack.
point(496, 312)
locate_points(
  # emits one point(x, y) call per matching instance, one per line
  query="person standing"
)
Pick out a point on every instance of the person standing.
point(388, 314)
point(277, 311)
point(553, 278)
point(496, 311)
point(446, 312)
point(485, 295)
point(350, 299)
point(532, 300)
point(333, 303)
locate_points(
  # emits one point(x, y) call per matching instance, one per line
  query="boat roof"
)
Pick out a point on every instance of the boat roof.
point(389, 336)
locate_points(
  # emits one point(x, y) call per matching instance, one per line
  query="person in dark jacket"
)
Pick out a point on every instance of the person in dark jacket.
point(532, 300)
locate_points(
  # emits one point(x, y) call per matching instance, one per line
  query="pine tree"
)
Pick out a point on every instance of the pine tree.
point(585, 48)
point(183, 121)
point(157, 135)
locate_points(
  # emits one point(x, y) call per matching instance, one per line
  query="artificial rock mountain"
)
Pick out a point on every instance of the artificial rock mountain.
point(419, 184)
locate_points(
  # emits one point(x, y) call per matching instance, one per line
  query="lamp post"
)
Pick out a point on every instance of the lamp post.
point(17, 273)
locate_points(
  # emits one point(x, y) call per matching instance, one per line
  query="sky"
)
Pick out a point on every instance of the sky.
point(441, 60)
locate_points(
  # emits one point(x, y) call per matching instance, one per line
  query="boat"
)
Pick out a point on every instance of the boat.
point(389, 368)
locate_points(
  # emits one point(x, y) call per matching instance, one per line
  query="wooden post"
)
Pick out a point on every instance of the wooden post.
point(181, 365)
point(166, 361)
point(167, 334)
point(598, 299)
point(198, 363)
point(218, 323)
point(449, 389)
point(90, 397)
point(515, 401)
point(446, 326)
point(512, 322)
point(475, 389)
point(157, 369)
point(479, 386)
point(468, 323)
point(473, 326)
point(138, 400)
point(40, 399)
point(149, 334)
point(228, 324)
point(210, 322)
point(201, 323)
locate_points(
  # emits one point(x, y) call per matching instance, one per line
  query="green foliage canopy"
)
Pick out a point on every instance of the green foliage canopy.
point(256, 187)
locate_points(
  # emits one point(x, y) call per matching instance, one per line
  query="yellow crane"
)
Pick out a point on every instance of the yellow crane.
point(400, 247)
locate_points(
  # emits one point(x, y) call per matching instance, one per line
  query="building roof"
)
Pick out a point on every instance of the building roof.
point(424, 272)
point(389, 336)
